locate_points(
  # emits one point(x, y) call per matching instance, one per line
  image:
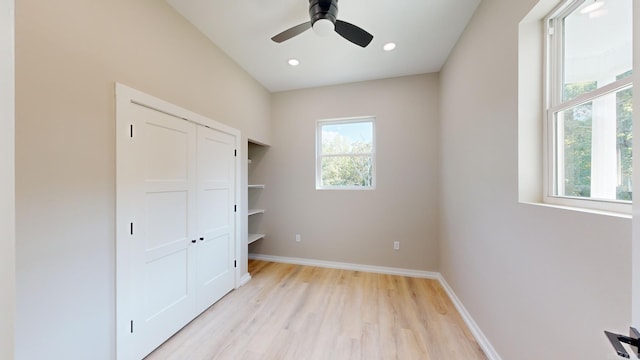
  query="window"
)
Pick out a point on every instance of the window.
point(345, 154)
point(588, 104)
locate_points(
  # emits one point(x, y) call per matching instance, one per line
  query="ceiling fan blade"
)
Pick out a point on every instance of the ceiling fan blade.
point(291, 32)
point(353, 33)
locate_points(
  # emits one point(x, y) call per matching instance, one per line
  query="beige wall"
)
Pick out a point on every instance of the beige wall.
point(356, 226)
point(69, 53)
point(542, 283)
point(7, 205)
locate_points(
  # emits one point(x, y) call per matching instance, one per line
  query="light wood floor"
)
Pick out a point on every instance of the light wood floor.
point(301, 312)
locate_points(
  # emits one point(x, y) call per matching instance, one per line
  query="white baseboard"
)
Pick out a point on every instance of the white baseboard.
point(244, 280)
point(482, 340)
point(347, 266)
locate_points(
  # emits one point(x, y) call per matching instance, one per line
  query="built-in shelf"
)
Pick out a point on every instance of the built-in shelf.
point(254, 237)
point(255, 201)
point(255, 211)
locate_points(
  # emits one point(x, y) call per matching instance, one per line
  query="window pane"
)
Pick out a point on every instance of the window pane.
point(624, 127)
point(597, 45)
point(573, 90)
point(347, 171)
point(575, 126)
point(594, 146)
point(347, 138)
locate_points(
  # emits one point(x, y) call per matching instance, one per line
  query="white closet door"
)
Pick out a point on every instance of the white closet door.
point(176, 228)
point(216, 217)
point(164, 254)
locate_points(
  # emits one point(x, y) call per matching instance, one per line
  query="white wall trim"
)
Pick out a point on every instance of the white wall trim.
point(347, 266)
point(7, 181)
point(482, 340)
point(635, 225)
point(244, 280)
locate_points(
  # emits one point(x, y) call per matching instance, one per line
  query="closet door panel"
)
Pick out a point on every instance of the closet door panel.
point(164, 254)
point(216, 217)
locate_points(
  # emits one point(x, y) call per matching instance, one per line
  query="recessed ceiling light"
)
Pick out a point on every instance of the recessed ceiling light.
point(294, 62)
point(389, 46)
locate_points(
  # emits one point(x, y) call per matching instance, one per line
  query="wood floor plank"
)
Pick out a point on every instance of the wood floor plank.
point(303, 312)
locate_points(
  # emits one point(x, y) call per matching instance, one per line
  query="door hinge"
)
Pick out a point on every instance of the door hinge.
point(235, 263)
point(235, 208)
point(131, 228)
point(235, 152)
point(131, 130)
point(132, 326)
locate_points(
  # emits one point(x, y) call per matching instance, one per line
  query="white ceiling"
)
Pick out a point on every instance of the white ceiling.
point(425, 32)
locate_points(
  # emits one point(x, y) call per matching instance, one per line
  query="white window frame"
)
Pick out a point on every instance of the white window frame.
point(320, 156)
point(553, 67)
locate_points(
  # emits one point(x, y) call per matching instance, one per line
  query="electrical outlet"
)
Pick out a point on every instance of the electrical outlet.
point(396, 245)
point(298, 238)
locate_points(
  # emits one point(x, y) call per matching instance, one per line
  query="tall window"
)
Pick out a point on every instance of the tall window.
point(589, 102)
point(345, 154)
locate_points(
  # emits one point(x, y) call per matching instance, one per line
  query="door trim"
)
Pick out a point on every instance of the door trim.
point(124, 97)
point(635, 227)
point(7, 182)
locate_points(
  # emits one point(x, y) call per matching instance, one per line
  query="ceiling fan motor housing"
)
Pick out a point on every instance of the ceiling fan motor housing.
point(324, 21)
point(323, 9)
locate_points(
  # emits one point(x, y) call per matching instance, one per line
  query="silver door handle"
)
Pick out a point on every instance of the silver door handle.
point(616, 341)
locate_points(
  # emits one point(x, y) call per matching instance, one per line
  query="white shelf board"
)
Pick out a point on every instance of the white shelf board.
point(256, 186)
point(254, 237)
point(255, 211)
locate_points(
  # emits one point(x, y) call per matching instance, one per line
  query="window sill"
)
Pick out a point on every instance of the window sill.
point(348, 188)
point(580, 209)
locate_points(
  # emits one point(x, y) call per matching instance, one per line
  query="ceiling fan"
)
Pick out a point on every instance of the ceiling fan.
point(324, 21)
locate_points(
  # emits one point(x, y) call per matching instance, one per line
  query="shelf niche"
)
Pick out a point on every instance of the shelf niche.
point(255, 211)
point(256, 185)
point(254, 237)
